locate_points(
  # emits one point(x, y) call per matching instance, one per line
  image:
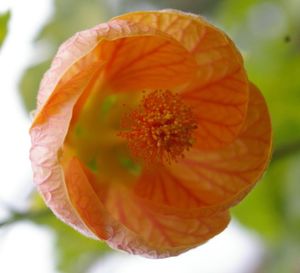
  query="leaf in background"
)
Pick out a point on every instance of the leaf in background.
point(4, 18)
point(291, 194)
point(29, 84)
point(262, 210)
point(66, 21)
point(273, 210)
point(202, 7)
point(232, 12)
point(74, 252)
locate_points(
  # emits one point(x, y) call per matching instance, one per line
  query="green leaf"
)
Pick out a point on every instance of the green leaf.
point(4, 18)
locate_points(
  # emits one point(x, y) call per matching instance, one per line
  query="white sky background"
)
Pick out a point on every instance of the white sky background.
point(27, 248)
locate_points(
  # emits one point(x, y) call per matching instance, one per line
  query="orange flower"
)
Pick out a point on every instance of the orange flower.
point(147, 131)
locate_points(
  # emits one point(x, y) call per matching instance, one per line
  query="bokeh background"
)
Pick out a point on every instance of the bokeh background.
point(264, 236)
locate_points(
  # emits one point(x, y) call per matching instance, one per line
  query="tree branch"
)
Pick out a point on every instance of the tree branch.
point(286, 150)
point(21, 216)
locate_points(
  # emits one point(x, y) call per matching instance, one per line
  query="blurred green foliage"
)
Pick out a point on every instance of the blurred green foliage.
point(74, 253)
point(121, 6)
point(70, 16)
point(268, 34)
point(29, 84)
point(4, 19)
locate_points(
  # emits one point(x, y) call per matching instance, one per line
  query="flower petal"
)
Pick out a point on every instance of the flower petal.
point(219, 109)
point(146, 62)
point(221, 80)
point(204, 182)
point(47, 136)
point(169, 234)
point(127, 224)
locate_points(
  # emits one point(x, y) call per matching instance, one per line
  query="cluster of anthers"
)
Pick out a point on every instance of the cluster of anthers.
point(160, 129)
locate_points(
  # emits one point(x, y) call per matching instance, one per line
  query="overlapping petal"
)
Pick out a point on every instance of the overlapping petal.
point(129, 224)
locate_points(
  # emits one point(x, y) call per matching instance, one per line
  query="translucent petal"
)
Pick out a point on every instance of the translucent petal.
point(165, 232)
point(47, 136)
point(146, 62)
point(220, 110)
point(129, 225)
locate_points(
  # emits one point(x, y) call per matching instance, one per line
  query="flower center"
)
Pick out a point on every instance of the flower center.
point(160, 129)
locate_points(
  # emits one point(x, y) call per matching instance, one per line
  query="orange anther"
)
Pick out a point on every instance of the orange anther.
point(160, 129)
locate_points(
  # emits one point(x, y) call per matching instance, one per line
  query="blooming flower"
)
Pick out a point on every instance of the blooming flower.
point(147, 131)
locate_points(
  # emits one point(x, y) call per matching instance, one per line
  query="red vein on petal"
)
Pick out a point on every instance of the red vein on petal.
point(228, 126)
point(212, 182)
point(118, 46)
point(212, 101)
point(139, 58)
point(185, 189)
point(212, 83)
point(208, 133)
point(163, 188)
point(132, 72)
point(221, 170)
point(156, 224)
point(204, 50)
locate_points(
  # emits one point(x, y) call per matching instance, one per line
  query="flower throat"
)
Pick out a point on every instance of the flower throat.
point(160, 129)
